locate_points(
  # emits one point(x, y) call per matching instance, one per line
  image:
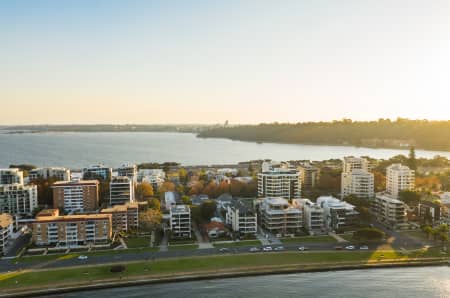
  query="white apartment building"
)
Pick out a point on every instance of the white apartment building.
point(388, 210)
point(18, 199)
point(399, 178)
point(155, 177)
point(11, 176)
point(128, 170)
point(96, 171)
point(60, 174)
point(121, 190)
point(279, 217)
point(359, 183)
point(279, 182)
point(241, 218)
point(351, 163)
point(313, 217)
point(6, 229)
point(337, 214)
point(180, 221)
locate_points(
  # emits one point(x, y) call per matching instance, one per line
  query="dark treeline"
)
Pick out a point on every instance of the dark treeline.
point(384, 133)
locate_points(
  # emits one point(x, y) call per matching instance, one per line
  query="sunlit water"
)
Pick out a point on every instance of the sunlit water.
point(77, 150)
point(426, 282)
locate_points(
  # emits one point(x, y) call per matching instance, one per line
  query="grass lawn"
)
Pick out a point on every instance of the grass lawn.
point(417, 235)
point(239, 244)
point(183, 247)
point(136, 242)
point(348, 237)
point(199, 264)
point(308, 239)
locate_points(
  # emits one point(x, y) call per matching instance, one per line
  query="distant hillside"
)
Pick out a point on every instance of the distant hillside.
point(423, 134)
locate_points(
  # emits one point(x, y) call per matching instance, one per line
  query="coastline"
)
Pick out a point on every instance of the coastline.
point(176, 278)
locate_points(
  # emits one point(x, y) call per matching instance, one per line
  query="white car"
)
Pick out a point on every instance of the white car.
point(267, 248)
point(302, 248)
point(350, 247)
point(82, 258)
point(279, 248)
point(364, 247)
point(253, 249)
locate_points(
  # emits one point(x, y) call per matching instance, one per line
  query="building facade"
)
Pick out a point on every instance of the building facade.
point(338, 214)
point(180, 221)
point(128, 170)
point(280, 217)
point(313, 217)
point(388, 210)
point(124, 217)
point(121, 190)
point(18, 199)
point(11, 176)
point(359, 183)
point(279, 182)
point(309, 176)
point(6, 229)
point(60, 174)
point(241, 218)
point(399, 178)
point(351, 163)
point(155, 177)
point(97, 171)
point(76, 196)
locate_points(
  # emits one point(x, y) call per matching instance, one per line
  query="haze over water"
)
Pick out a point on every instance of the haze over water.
point(77, 150)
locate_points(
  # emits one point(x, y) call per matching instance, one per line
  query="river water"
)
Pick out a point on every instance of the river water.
point(426, 282)
point(77, 150)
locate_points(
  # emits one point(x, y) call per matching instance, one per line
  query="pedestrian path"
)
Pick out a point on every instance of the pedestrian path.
point(337, 237)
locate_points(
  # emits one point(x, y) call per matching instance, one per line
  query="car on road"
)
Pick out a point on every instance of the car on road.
point(350, 247)
point(254, 249)
point(338, 247)
point(267, 248)
point(224, 249)
point(279, 248)
point(303, 248)
point(82, 258)
point(364, 247)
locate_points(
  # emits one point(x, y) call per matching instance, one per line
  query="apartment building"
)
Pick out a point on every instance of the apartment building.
point(155, 177)
point(309, 176)
point(351, 163)
point(313, 217)
point(51, 229)
point(398, 179)
point(121, 190)
point(338, 214)
point(97, 171)
point(11, 176)
point(76, 196)
point(280, 217)
point(60, 174)
point(431, 212)
point(6, 229)
point(124, 217)
point(18, 199)
point(128, 170)
point(180, 221)
point(241, 218)
point(359, 183)
point(279, 182)
point(388, 210)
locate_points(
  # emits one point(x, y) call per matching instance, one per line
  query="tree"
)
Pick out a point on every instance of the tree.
point(428, 230)
point(186, 200)
point(208, 209)
point(154, 203)
point(182, 173)
point(143, 191)
point(410, 198)
point(150, 220)
point(412, 163)
point(167, 186)
point(196, 188)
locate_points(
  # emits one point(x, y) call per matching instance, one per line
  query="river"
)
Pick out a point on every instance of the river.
point(427, 282)
point(77, 150)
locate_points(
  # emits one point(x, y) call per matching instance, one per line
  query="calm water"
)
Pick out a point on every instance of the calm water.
point(77, 150)
point(427, 282)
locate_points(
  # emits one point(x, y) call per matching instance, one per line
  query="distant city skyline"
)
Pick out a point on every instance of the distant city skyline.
point(174, 62)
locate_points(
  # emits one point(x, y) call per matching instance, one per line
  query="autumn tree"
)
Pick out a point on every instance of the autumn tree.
point(154, 203)
point(143, 191)
point(150, 220)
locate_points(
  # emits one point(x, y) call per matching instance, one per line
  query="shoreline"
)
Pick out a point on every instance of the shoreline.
point(142, 280)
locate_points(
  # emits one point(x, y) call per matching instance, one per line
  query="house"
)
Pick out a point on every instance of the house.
point(215, 229)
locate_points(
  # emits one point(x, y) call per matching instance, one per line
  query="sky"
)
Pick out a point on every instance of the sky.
point(245, 61)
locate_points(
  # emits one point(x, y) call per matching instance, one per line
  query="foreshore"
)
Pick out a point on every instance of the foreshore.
point(209, 275)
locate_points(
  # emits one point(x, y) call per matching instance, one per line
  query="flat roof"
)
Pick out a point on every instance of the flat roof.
point(78, 217)
point(75, 183)
point(5, 220)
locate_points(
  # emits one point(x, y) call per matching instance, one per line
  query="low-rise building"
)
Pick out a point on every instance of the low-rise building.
point(121, 190)
point(71, 230)
point(215, 229)
point(180, 221)
point(76, 196)
point(155, 177)
point(338, 214)
point(128, 170)
point(60, 174)
point(124, 217)
point(430, 212)
point(313, 217)
point(280, 217)
point(18, 199)
point(388, 210)
point(11, 176)
point(6, 229)
point(97, 171)
point(241, 218)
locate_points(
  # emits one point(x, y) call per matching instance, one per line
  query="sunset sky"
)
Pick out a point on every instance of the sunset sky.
point(210, 61)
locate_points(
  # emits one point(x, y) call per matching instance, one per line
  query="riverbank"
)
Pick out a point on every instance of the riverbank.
point(35, 282)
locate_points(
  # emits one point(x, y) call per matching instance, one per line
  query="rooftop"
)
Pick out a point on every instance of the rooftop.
point(71, 183)
point(5, 220)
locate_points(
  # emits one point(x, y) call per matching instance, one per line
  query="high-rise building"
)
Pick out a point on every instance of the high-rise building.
point(279, 182)
point(11, 176)
point(128, 170)
point(97, 171)
point(356, 179)
point(309, 176)
point(6, 229)
point(280, 217)
point(399, 178)
point(121, 190)
point(351, 163)
point(124, 217)
point(60, 174)
point(18, 199)
point(76, 196)
point(180, 221)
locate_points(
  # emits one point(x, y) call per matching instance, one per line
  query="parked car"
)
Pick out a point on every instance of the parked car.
point(350, 247)
point(82, 258)
point(278, 248)
point(364, 247)
point(224, 249)
point(303, 248)
point(254, 249)
point(338, 247)
point(267, 248)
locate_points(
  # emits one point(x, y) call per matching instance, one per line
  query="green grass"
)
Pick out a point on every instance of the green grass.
point(308, 239)
point(348, 237)
point(136, 242)
point(183, 247)
point(199, 264)
point(238, 244)
point(418, 235)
